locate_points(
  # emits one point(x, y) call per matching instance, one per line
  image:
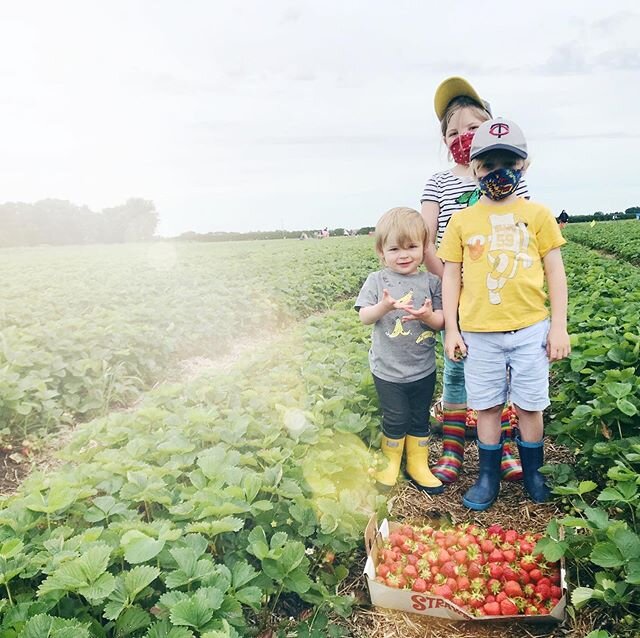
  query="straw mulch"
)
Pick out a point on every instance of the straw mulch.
point(512, 509)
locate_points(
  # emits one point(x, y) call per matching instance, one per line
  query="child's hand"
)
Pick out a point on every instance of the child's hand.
point(454, 345)
point(422, 314)
point(558, 344)
point(387, 300)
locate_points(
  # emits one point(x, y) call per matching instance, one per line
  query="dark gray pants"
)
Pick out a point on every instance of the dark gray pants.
point(405, 406)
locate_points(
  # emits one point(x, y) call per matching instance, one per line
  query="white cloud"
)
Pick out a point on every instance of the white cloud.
point(236, 116)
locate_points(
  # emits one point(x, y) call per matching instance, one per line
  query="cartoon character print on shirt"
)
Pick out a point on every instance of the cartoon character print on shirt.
point(399, 328)
point(507, 248)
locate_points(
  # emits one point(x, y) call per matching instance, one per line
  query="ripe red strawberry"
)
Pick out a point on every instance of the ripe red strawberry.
point(476, 599)
point(465, 540)
point(448, 568)
point(496, 556)
point(543, 591)
point(510, 536)
point(535, 575)
point(456, 600)
point(407, 531)
point(525, 547)
point(412, 559)
point(512, 588)
point(530, 610)
point(396, 539)
point(510, 573)
point(452, 583)
point(508, 608)
point(543, 581)
point(494, 585)
point(382, 570)
point(496, 570)
point(419, 585)
point(407, 547)
point(495, 530)
point(410, 571)
point(501, 596)
point(487, 546)
point(509, 555)
point(389, 556)
point(556, 592)
point(492, 609)
point(443, 556)
point(463, 583)
point(528, 563)
point(443, 590)
point(524, 577)
point(450, 540)
point(473, 570)
point(461, 556)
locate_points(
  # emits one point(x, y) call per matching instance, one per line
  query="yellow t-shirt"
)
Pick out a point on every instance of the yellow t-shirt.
point(501, 250)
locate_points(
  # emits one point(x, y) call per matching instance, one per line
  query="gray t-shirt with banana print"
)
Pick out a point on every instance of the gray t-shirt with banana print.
point(401, 352)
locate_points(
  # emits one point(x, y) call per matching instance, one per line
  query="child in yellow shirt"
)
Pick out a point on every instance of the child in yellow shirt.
point(497, 255)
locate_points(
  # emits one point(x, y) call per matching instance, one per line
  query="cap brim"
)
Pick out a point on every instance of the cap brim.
point(500, 147)
point(450, 89)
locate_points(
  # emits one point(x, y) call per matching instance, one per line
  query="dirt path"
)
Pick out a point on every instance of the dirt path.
point(16, 464)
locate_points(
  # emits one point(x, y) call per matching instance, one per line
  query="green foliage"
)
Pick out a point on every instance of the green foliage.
point(207, 504)
point(103, 324)
point(620, 238)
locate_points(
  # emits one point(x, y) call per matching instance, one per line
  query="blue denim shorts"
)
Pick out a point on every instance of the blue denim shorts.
point(492, 355)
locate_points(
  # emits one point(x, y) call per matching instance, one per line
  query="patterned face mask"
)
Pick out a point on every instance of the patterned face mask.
point(500, 183)
point(461, 147)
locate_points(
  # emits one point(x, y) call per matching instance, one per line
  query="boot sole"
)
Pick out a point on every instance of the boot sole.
point(428, 490)
point(478, 507)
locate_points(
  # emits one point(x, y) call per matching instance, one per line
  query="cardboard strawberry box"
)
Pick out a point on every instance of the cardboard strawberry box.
point(409, 594)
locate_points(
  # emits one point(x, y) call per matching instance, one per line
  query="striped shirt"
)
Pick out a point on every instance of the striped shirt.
point(453, 193)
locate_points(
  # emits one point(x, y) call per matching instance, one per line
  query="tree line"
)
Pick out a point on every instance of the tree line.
point(60, 222)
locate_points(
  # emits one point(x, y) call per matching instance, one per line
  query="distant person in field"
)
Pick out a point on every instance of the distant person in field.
point(460, 111)
point(563, 218)
point(404, 304)
point(506, 246)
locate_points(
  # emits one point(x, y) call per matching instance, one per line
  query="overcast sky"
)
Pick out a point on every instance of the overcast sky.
point(258, 115)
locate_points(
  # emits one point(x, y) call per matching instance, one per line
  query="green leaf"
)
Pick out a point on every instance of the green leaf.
point(251, 596)
point(626, 541)
point(213, 528)
point(132, 620)
point(553, 550)
point(606, 555)
point(197, 610)
point(44, 626)
point(626, 407)
point(11, 548)
point(242, 573)
point(586, 486)
point(580, 596)
point(633, 572)
point(164, 629)
point(618, 390)
point(139, 548)
point(598, 517)
point(138, 578)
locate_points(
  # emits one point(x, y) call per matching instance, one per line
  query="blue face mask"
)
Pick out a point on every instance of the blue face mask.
point(500, 183)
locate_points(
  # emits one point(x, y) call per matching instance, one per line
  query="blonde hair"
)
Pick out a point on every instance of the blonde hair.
point(459, 103)
point(404, 225)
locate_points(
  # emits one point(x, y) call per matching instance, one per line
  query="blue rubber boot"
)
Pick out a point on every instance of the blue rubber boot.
point(484, 492)
point(532, 459)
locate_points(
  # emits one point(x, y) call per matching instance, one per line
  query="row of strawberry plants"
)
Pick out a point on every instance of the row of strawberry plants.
point(596, 406)
point(205, 510)
point(83, 329)
point(620, 238)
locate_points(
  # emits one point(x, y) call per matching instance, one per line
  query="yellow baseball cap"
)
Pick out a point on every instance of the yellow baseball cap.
point(452, 88)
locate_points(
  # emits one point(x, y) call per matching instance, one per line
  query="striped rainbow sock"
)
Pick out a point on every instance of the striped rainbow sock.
point(510, 467)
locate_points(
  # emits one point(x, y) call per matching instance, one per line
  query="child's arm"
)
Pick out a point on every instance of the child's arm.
point(450, 297)
point(558, 344)
point(371, 314)
point(430, 213)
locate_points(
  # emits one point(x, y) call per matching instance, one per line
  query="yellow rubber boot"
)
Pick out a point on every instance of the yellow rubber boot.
point(418, 465)
point(392, 450)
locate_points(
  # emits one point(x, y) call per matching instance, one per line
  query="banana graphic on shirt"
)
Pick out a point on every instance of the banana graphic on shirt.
point(398, 330)
point(408, 298)
point(425, 335)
